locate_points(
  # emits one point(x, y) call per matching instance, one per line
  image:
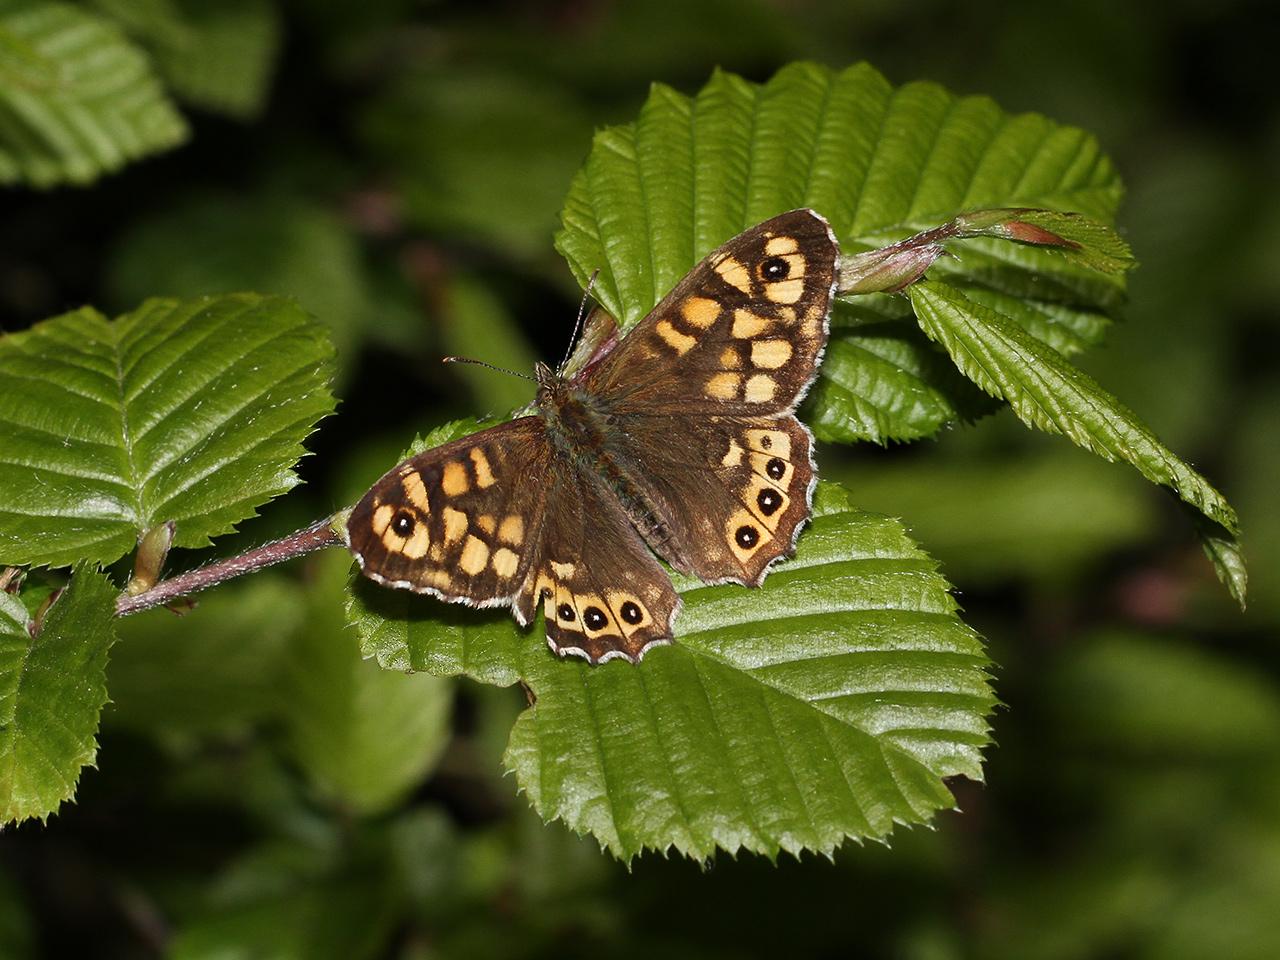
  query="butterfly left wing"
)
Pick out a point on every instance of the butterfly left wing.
point(459, 521)
point(495, 519)
point(740, 334)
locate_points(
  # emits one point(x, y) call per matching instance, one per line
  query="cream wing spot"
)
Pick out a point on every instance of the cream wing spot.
point(563, 570)
point(734, 274)
point(770, 354)
point(729, 358)
point(777, 246)
point(475, 556)
point(773, 442)
point(723, 386)
point(484, 474)
point(512, 530)
point(487, 523)
point(681, 343)
point(415, 548)
point(415, 490)
point(700, 312)
point(454, 480)
point(505, 562)
point(382, 518)
point(455, 525)
point(733, 456)
point(760, 388)
point(785, 291)
point(747, 325)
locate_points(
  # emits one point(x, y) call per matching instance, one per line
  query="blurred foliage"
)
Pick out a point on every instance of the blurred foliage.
point(1131, 805)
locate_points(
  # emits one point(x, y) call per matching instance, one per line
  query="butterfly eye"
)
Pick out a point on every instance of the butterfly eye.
point(403, 524)
point(631, 612)
point(566, 613)
point(775, 468)
point(775, 268)
point(747, 536)
point(594, 618)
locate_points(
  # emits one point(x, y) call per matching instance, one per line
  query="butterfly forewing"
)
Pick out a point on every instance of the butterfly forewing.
point(740, 334)
point(460, 521)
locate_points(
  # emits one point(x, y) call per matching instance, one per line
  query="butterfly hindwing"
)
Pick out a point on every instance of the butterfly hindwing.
point(740, 334)
point(602, 593)
point(732, 491)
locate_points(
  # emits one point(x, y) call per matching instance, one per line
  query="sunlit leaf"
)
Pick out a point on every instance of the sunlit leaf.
point(828, 704)
point(192, 411)
point(52, 688)
point(77, 100)
point(880, 163)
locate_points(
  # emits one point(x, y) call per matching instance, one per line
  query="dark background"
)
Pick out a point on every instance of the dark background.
point(403, 179)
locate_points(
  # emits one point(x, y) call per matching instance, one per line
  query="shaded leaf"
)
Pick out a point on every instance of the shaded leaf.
point(215, 669)
point(364, 736)
point(52, 688)
point(77, 100)
point(828, 704)
point(213, 55)
point(192, 411)
point(501, 180)
point(224, 243)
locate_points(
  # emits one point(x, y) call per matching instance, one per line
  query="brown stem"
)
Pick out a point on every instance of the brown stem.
point(320, 534)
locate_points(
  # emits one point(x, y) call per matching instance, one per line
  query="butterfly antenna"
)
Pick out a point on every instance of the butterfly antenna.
point(582, 312)
point(481, 363)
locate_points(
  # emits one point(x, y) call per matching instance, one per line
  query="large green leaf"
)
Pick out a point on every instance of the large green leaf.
point(880, 163)
point(828, 704)
point(364, 736)
point(52, 688)
point(214, 55)
point(76, 98)
point(215, 670)
point(1048, 393)
point(191, 411)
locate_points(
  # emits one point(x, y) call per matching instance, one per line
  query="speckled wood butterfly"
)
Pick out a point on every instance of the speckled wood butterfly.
point(680, 435)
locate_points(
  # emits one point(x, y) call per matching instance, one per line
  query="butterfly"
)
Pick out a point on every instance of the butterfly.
point(678, 439)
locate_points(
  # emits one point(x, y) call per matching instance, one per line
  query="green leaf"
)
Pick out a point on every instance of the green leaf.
point(364, 736)
point(213, 670)
point(880, 163)
point(52, 688)
point(192, 411)
point(829, 703)
point(77, 100)
point(1048, 393)
point(474, 323)
point(214, 55)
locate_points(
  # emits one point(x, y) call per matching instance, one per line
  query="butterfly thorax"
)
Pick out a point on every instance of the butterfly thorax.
point(579, 426)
